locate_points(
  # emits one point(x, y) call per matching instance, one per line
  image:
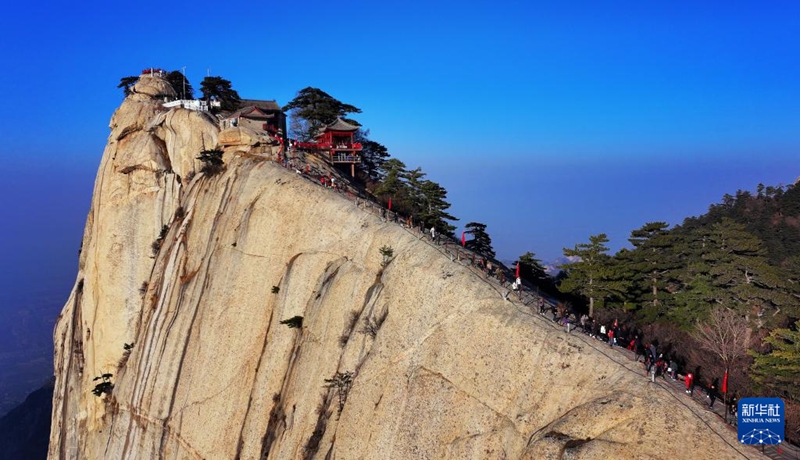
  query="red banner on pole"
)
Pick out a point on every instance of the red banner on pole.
point(390, 203)
point(463, 239)
point(725, 383)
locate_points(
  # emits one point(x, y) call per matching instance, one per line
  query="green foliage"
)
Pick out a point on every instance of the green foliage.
point(373, 156)
point(387, 252)
point(742, 254)
point(779, 369)
point(104, 387)
point(716, 279)
point(411, 194)
point(723, 263)
point(432, 207)
point(480, 241)
point(771, 216)
point(212, 161)
point(592, 275)
point(126, 83)
point(276, 289)
point(295, 322)
point(220, 89)
point(532, 271)
point(180, 84)
point(314, 109)
point(414, 195)
point(393, 184)
point(650, 268)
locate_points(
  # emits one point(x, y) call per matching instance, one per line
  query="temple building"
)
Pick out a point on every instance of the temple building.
point(261, 115)
point(337, 140)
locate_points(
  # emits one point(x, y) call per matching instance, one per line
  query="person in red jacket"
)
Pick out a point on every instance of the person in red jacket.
point(689, 387)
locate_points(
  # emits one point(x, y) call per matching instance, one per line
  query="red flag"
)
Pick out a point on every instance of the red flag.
point(390, 203)
point(725, 383)
point(463, 239)
point(517, 275)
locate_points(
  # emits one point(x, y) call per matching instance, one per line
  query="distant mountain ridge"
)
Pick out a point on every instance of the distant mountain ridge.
point(25, 430)
point(772, 214)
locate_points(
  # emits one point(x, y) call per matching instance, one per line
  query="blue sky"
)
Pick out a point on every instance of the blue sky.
point(548, 121)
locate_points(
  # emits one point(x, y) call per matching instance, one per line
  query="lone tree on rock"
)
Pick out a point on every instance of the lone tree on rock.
point(212, 161)
point(126, 83)
point(218, 88)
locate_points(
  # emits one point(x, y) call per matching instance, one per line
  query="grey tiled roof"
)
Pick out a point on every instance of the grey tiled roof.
point(263, 105)
point(341, 125)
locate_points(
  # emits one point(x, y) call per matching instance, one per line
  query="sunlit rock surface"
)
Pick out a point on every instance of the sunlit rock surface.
point(453, 371)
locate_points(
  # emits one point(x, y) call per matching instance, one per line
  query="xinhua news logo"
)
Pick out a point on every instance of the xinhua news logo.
point(761, 421)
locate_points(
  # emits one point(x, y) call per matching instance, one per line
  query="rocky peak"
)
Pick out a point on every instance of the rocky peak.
point(152, 86)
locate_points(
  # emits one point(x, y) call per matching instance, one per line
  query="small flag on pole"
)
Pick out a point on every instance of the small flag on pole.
point(725, 383)
point(463, 239)
point(390, 203)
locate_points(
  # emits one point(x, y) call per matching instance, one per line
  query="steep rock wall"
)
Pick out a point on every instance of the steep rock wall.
point(442, 366)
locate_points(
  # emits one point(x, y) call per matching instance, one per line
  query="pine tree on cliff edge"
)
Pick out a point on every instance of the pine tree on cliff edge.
point(480, 242)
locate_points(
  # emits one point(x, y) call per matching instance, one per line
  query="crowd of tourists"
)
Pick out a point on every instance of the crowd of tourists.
point(654, 363)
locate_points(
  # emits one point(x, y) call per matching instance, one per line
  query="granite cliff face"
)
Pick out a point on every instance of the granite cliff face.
point(441, 365)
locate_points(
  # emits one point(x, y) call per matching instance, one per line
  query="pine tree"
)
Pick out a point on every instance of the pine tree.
point(593, 274)
point(480, 242)
point(220, 89)
point(373, 156)
point(531, 269)
point(779, 369)
point(741, 274)
point(393, 185)
point(413, 195)
point(180, 84)
point(126, 83)
point(650, 267)
point(316, 108)
point(433, 212)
